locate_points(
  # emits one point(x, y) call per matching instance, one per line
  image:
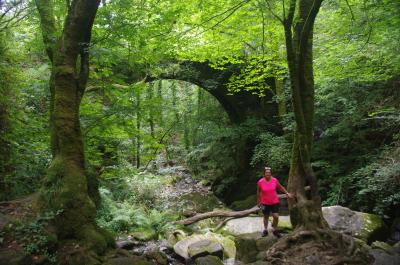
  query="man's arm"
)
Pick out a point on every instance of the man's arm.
point(258, 196)
point(281, 188)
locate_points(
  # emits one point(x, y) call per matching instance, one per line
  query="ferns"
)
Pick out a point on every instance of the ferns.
point(132, 207)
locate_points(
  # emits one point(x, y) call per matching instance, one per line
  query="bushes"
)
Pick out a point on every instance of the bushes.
point(378, 184)
point(130, 204)
point(356, 147)
point(272, 150)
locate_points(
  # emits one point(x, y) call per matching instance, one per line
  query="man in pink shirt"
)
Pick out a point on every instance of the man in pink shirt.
point(268, 199)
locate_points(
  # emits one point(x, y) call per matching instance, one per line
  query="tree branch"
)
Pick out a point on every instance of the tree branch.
point(48, 25)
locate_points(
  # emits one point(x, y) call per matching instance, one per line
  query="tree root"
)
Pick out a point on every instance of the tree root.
point(321, 246)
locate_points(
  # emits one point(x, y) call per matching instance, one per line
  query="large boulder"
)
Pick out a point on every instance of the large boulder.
point(367, 227)
point(246, 247)
point(254, 224)
point(384, 246)
point(208, 260)
point(204, 248)
point(203, 245)
point(383, 258)
point(252, 247)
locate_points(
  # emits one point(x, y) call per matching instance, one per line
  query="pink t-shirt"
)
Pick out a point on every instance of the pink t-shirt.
point(268, 193)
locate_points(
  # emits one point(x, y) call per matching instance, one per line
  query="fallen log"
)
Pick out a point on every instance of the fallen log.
point(222, 213)
point(218, 213)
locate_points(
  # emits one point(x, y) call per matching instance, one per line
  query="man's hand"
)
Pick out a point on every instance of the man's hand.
point(289, 195)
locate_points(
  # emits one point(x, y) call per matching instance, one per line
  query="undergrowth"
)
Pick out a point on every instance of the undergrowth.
point(131, 205)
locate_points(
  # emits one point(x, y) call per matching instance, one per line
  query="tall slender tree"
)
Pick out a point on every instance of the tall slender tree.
point(298, 24)
point(66, 187)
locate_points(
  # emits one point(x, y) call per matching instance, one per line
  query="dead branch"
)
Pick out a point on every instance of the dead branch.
point(221, 213)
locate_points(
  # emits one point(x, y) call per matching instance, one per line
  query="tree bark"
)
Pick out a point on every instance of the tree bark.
point(5, 145)
point(305, 210)
point(65, 188)
point(138, 127)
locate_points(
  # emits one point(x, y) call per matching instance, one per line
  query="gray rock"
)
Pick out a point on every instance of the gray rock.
point(204, 248)
point(181, 247)
point(383, 258)
point(215, 241)
point(246, 248)
point(157, 256)
point(384, 246)
point(208, 260)
point(367, 227)
point(265, 243)
point(261, 255)
point(232, 261)
point(396, 247)
point(126, 244)
point(254, 224)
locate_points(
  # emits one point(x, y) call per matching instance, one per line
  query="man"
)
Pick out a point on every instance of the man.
point(268, 200)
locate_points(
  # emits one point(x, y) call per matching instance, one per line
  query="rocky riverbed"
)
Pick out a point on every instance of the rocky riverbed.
point(239, 241)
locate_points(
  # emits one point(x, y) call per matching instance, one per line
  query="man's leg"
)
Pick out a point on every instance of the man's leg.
point(275, 217)
point(265, 232)
point(266, 217)
point(275, 220)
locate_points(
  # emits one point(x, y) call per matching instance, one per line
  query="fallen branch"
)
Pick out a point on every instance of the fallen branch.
point(221, 213)
point(218, 213)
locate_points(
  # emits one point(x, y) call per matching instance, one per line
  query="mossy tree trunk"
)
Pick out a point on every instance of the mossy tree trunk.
point(5, 145)
point(305, 210)
point(65, 187)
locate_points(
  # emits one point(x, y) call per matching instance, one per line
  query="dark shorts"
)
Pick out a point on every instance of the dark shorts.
point(267, 209)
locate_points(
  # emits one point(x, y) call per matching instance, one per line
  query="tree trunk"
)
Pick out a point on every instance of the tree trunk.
point(5, 145)
point(6, 86)
point(65, 188)
point(305, 211)
point(279, 91)
point(151, 111)
point(138, 126)
point(187, 118)
point(160, 98)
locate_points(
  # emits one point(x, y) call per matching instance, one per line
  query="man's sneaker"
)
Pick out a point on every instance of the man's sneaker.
point(264, 233)
point(276, 233)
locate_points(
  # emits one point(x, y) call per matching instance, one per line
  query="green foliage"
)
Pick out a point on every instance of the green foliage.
point(355, 122)
point(378, 184)
point(35, 237)
point(23, 134)
point(254, 75)
point(134, 206)
point(273, 151)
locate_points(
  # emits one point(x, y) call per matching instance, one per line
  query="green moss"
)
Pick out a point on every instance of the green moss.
point(285, 226)
point(227, 243)
point(92, 238)
point(384, 246)
point(66, 190)
point(64, 70)
point(374, 228)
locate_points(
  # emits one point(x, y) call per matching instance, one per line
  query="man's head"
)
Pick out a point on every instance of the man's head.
point(267, 172)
